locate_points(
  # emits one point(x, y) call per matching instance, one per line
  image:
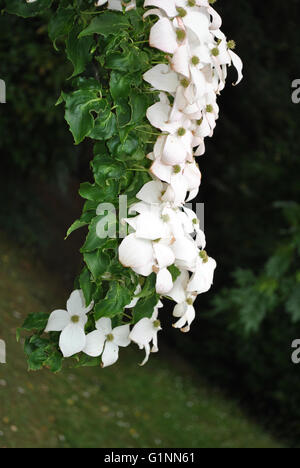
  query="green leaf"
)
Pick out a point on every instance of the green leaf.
point(97, 262)
point(36, 359)
point(106, 24)
point(139, 104)
point(84, 220)
point(105, 125)
point(78, 50)
point(86, 285)
point(87, 361)
point(26, 10)
point(36, 322)
point(113, 304)
point(61, 23)
point(54, 362)
point(149, 286)
point(130, 59)
point(145, 307)
point(119, 85)
point(93, 241)
point(79, 107)
point(105, 167)
point(175, 272)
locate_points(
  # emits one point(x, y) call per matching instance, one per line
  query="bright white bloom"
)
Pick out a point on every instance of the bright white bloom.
point(202, 279)
point(117, 4)
point(71, 323)
point(107, 340)
point(184, 310)
point(145, 332)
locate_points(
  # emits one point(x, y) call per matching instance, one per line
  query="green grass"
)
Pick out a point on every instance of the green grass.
point(165, 404)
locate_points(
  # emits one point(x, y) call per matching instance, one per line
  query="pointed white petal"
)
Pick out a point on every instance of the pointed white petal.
point(142, 332)
point(202, 279)
point(181, 60)
point(121, 335)
point(162, 78)
point(238, 65)
point(72, 339)
point(135, 252)
point(110, 354)
point(104, 325)
point(164, 282)
point(76, 304)
point(164, 255)
point(178, 293)
point(94, 343)
point(163, 36)
point(151, 192)
point(58, 320)
point(168, 6)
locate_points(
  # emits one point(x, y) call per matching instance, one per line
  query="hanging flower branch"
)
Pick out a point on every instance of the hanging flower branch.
point(145, 88)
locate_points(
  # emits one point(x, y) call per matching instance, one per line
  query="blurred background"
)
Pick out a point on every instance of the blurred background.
point(231, 381)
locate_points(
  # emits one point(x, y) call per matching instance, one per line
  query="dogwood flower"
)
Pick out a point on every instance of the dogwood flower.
point(184, 310)
point(145, 332)
point(202, 279)
point(71, 323)
point(117, 4)
point(106, 341)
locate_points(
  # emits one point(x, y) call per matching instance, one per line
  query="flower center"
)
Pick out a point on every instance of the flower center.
point(180, 33)
point(215, 52)
point(189, 301)
point(185, 83)
point(181, 12)
point(204, 256)
point(156, 323)
point(209, 108)
point(75, 318)
point(181, 131)
point(110, 337)
point(195, 60)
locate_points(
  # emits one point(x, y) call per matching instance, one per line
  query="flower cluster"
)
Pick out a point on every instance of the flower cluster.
point(105, 340)
point(165, 235)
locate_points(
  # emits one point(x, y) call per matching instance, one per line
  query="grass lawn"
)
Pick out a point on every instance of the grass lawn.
point(165, 404)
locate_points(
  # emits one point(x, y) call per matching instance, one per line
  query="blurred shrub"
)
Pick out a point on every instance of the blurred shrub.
point(36, 146)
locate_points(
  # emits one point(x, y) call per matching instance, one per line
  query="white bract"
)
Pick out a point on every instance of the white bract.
point(117, 4)
point(70, 323)
point(106, 341)
point(145, 332)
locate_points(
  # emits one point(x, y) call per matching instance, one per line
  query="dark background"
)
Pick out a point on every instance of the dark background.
point(242, 338)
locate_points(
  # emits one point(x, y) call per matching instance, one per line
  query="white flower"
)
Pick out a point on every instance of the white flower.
point(145, 331)
point(202, 279)
point(184, 310)
point(107, 340)
point(117, 4)
point(71, 323)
